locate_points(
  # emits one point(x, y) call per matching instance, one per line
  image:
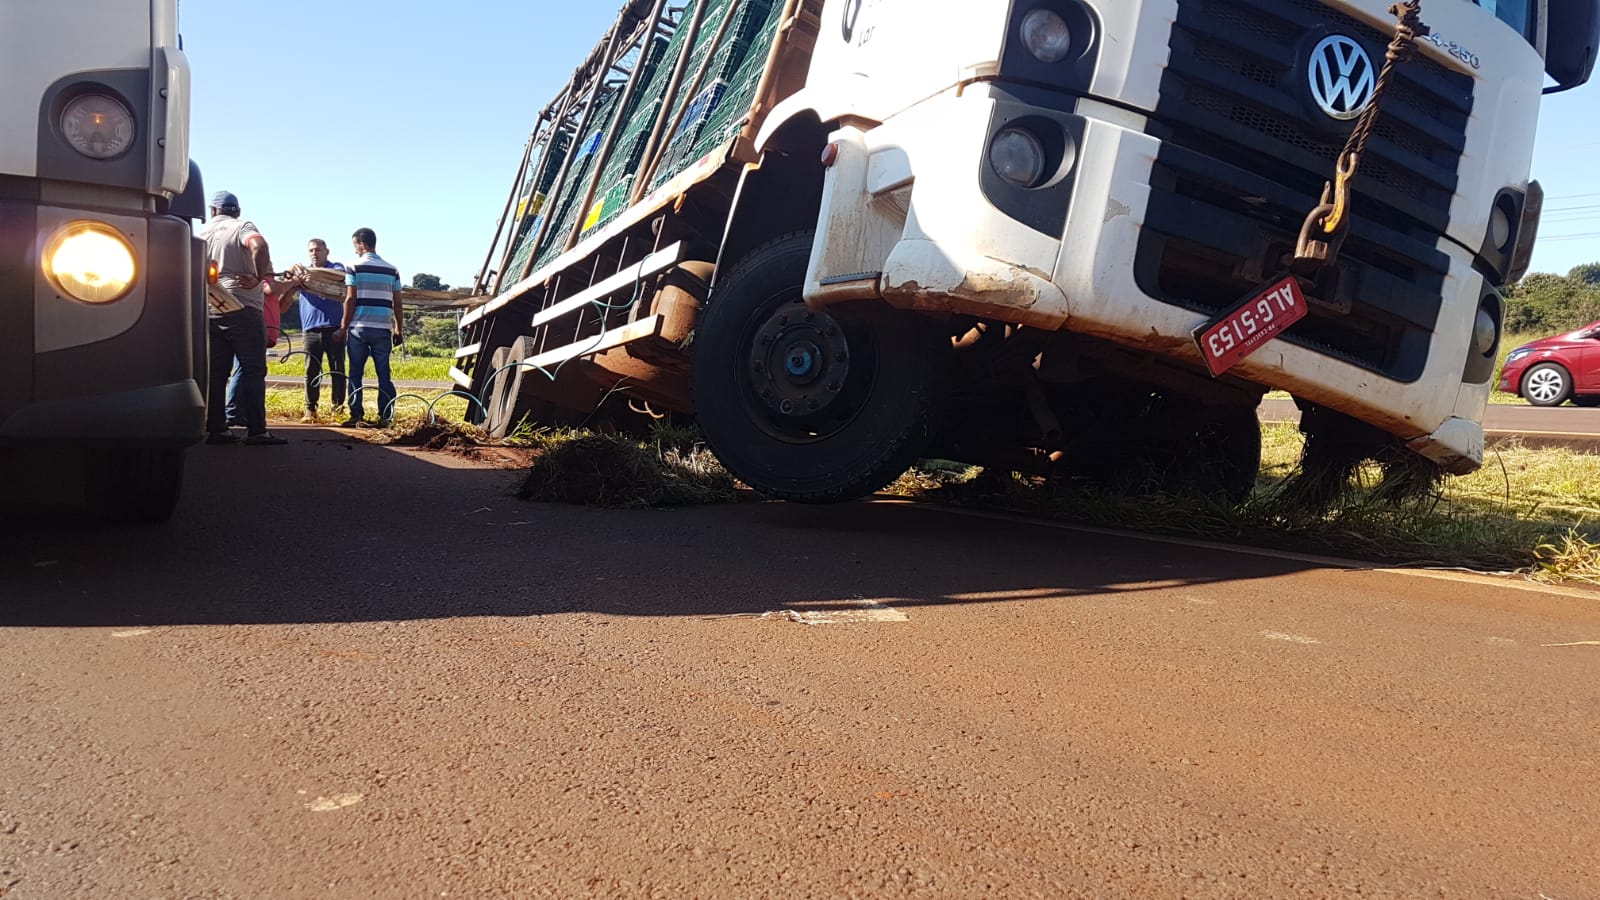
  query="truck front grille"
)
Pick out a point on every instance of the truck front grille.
point(1246, 153)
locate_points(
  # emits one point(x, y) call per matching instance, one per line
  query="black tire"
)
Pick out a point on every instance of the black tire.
point(503, 389)
point(1546, 384)
point(807, 406)
point(133, 487)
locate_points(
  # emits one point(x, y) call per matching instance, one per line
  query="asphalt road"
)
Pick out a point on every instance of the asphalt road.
point(351, 671)
point(1568, 424)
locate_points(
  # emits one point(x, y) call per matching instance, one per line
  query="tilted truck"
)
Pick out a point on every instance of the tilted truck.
point(1049, 235)
point(102, 310)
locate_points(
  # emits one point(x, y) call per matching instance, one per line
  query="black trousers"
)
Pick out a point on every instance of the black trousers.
point(320, 342)
point(241, 334)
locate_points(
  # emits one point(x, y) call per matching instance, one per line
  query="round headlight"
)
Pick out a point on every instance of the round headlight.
point(1046, 36)
point(1018, 157)
point(97, 126)
point(90, 262)
point(1485, 332)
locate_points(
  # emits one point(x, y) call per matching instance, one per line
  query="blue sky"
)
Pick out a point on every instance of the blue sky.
point(410, 117)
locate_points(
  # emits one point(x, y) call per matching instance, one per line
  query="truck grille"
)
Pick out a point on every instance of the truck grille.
point(1246, 153)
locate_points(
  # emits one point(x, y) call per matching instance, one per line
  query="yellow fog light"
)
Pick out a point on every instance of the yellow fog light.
point(90, 262)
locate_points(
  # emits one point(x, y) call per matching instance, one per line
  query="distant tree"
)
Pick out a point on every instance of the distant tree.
point(1589, 273)
point(1549, 304)
point(425, 282)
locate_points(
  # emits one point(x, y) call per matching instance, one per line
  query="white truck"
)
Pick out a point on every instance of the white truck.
point(1046, 235)
point(102, 310)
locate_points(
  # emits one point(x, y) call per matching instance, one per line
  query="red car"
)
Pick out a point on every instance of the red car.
point(1553, 370)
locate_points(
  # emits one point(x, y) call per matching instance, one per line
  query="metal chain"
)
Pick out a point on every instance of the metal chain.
point(1331, 216)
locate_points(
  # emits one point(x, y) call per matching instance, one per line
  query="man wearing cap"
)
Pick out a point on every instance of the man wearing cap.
point(238, 254)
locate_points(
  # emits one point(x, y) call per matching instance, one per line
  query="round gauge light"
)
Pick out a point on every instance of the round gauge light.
point(1500, 228)
point(1046, 36)
point(1018, 157)
point(91, 262)
point(97, 126)
point(1485, 332)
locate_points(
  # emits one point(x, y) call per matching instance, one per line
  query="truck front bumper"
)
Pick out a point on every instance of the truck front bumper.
point(161, 415)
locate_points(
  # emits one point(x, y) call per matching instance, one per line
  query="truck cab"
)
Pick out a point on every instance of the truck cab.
point(102, 328)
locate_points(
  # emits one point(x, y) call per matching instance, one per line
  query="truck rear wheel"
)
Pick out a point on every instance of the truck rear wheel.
point(803, 405)
point(134, 486)
point(503, 408)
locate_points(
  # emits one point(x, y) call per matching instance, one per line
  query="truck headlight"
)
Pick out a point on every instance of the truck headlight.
point(90, 262)
point(1018, 156)
point(1046, 36)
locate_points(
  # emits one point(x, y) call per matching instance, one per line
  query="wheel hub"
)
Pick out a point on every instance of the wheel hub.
point(799, 361)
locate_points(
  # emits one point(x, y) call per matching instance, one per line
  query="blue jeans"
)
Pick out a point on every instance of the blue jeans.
point(233, 394)
point(375, 344)
point(238, 335)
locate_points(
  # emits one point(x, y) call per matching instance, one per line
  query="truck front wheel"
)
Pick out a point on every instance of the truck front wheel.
point(804, 405)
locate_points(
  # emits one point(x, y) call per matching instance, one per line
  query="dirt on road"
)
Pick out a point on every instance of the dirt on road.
point(347, 670)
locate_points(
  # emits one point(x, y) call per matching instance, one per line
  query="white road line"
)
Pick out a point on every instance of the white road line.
point(337, 801)
point(1291, 638)
point(860, 612)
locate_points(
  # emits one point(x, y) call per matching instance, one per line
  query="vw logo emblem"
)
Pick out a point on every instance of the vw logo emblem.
point(1342, 76)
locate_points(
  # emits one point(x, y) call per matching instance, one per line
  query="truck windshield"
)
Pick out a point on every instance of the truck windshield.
point(1516, 13)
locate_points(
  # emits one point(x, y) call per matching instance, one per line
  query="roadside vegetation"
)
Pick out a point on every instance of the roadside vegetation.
point(402, 368)
point(411, 407)
point(426, 355)
point(1534, 511)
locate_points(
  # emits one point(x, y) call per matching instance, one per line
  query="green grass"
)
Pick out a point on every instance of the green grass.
point(417, 368)
point(411, 407)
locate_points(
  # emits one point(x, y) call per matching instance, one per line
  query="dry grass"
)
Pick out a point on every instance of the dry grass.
point(609, 470)
point(1537, 511)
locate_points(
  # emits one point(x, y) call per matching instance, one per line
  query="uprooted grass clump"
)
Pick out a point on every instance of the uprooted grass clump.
point(448, 437)
point(620, 472)
point(1537, 511)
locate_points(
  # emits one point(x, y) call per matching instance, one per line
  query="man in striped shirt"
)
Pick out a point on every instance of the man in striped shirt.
point(371, 326)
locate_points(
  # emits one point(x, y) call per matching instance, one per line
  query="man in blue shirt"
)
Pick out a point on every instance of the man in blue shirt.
point(371, 325)
point(319, 328)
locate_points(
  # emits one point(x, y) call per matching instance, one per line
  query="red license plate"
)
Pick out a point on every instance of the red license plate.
point(1242, 331)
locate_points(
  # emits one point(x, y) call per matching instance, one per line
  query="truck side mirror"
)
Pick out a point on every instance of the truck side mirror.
point(1572, 35)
